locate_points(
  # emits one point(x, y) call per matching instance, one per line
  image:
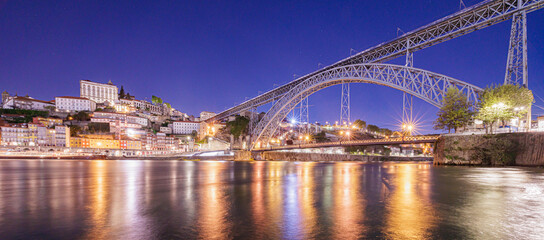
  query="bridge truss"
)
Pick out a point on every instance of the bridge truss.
point(428, 86)
point(479, 16)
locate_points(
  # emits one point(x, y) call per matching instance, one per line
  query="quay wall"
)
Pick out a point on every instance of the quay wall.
point(521, 149)
point(295, 156)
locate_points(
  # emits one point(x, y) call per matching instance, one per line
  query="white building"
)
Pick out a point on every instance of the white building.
point(62, 136)
point(167, 130)
point(145, 106)
point(14, 136)
point(99, 92)
point(16, 102)
point(185, 127)
point(107, 117)
point(205, 115)
point(71, 104)
point(34, 135)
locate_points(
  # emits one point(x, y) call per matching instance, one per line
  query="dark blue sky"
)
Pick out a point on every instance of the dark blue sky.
point(209, 55)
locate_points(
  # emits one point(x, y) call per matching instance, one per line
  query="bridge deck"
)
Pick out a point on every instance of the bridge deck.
point(366, 142)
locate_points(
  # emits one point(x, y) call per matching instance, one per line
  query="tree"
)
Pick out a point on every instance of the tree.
point(74, 130)
point(194, 134)
point(156, 100)
point(373, 128)
point(455, 112)
point(82, 116)
point(238, 126)
point(320, 137)
point(503, 103)
point(50, 108)
point(386, 131)
point(168, 105)
point(360, 123)
point(98, 127)
point(122, 93)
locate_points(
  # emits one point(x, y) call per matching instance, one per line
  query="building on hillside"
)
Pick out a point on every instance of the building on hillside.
point(167, 130)
point(185, 127)
point(73, 104)
point(14, 136)
point(62, 136)
point(145, 106)
point(47, 122)
point(205, 115)
point(160, 142)
point(98, 143)
point(28, 103)
point(118, 117)
point(99, 92)
point(34, 135)
point(209, 129)
point(177, 115)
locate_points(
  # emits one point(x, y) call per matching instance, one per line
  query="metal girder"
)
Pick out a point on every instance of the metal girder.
point(516, 64)
point(304, 115)
point(428, 86)
point(345, 105)
point(479, 16)
point(407, 108)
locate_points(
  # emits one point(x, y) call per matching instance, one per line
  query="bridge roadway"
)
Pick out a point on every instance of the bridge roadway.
point(470, 19)
point(366, 142)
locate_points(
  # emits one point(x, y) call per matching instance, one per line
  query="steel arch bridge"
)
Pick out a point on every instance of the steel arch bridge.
point(428, 86)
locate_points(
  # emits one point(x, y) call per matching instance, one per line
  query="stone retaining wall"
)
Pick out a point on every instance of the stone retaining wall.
point(295, 156)
point(525, 149)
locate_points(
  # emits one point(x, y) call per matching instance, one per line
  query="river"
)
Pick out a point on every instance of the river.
point(71, 199)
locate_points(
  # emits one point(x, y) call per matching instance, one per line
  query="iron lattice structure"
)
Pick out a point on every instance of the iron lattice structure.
point(428, 86)
point(304, 115)
point(479, 16)
point(345, 111)
point(516, 64)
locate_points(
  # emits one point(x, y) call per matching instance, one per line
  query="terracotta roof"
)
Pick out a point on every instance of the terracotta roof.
point(31, 99)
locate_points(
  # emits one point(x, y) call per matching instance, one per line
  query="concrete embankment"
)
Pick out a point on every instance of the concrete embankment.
point(521, 149)
point(295, 156)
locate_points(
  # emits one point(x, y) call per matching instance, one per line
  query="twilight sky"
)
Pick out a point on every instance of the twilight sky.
point(210, 55)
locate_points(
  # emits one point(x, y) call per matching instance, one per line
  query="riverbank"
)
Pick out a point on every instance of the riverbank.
point(505, 149)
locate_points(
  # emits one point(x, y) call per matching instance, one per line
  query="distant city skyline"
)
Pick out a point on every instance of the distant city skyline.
point(209, 56)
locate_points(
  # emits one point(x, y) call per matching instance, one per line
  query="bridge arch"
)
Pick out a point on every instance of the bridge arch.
point(428, 86)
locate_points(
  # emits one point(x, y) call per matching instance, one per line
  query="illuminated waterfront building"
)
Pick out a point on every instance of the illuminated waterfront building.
point(104, 142)
point(34, 135)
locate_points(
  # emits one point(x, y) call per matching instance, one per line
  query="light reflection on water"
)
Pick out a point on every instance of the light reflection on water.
point(267, 200)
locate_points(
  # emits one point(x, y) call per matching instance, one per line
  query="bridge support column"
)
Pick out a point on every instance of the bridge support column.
point(304, 116)
point(345, 105)
point(407, 99)
point(516, 63)
point(253, 120)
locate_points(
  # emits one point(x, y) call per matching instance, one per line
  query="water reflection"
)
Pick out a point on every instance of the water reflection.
point(213, 219)
point(410, 214)
point(266, 200)
point(348, 203)
point(98, 191)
